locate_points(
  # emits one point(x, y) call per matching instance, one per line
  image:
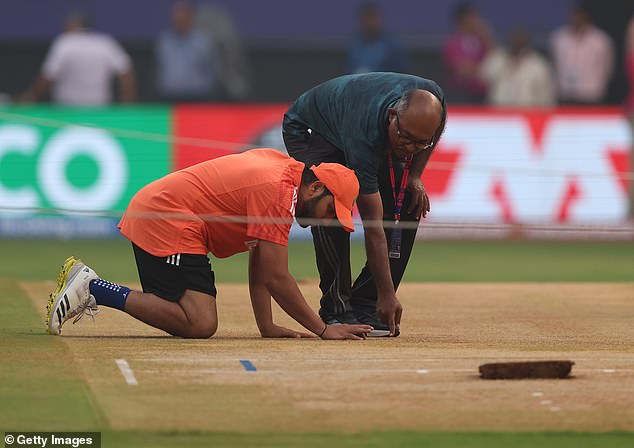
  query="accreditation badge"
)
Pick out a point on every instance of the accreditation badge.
point(395, 242)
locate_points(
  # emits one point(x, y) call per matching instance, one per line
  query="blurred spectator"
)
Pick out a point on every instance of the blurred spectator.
point(185, 60)
point(463, 53)
point(584, 59)
point(629, 67)
point(374, 50)
point(79, 68)
point(231, 67)
point(519, 75)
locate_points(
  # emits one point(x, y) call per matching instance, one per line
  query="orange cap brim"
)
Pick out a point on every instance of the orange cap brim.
point(344, 215)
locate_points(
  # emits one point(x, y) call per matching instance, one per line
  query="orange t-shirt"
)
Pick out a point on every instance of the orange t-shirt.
point(188, 211)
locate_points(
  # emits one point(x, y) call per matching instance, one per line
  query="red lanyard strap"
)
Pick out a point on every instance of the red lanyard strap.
point(398, 199)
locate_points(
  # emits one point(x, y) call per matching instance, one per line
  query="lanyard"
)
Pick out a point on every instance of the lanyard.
point(398, 199)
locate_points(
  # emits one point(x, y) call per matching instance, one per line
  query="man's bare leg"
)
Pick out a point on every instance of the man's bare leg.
point(194, 316)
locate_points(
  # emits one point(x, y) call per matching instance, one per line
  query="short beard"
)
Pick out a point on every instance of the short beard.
point(306, 214)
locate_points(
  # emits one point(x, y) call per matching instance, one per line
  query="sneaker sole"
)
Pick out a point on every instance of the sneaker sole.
point(65, 276)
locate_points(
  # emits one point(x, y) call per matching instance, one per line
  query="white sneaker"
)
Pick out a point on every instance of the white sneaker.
point(71, 297)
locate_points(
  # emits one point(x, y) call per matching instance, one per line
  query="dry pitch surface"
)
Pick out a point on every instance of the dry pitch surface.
point(424, 380)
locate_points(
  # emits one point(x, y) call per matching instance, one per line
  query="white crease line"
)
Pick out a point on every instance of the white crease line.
point(127, 372)
point(296, 372)
point(311, 372)
point(382, 360)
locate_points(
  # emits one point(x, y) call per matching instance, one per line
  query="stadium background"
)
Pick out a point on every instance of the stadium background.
point(479, 174)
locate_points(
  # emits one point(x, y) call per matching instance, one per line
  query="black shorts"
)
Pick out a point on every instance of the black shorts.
point(169, 277)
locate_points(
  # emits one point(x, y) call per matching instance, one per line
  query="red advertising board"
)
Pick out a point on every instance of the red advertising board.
point(502, 165)
point(205, 132)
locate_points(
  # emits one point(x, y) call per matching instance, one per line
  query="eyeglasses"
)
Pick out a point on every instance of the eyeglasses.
point(418, 145)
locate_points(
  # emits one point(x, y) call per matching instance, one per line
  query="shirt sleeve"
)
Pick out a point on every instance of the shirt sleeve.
point(271, 215)
point(364, 161)
point(117, 57)
point(54, 60)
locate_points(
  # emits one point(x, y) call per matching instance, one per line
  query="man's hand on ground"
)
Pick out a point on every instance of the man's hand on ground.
point(389, 310)
point(346, 331)
point(420, 200)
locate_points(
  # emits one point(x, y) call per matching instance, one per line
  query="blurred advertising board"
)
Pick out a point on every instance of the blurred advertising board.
point(71, 172)
point(563, 166)
point(205, 132)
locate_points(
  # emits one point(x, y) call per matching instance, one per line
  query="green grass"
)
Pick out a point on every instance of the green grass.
point(41, 389)
point(433, 261)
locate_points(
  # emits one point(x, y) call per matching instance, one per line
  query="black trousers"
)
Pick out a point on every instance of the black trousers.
point(332, 244)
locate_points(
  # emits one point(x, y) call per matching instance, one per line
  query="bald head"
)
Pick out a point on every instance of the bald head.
point(425, 109)
point(416, 120)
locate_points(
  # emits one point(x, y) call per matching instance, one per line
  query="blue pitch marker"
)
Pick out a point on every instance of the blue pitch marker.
point(247, 365)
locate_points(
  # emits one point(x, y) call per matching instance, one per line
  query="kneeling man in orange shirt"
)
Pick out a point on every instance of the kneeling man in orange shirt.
point(224, 206)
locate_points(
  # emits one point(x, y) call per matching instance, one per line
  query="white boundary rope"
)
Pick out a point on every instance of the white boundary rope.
point(622, 231)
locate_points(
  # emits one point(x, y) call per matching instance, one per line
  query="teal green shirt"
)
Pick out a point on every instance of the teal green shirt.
point(351, 112)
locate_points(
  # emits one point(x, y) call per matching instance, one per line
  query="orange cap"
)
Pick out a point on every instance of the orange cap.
point(343, 184)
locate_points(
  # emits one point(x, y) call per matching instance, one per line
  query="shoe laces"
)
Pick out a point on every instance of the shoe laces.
point(88, 306)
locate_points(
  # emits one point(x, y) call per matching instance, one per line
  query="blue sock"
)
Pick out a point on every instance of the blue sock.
point(109, 294)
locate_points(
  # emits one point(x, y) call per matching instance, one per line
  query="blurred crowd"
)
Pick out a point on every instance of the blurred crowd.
point(200, 58)
point(480, 69)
